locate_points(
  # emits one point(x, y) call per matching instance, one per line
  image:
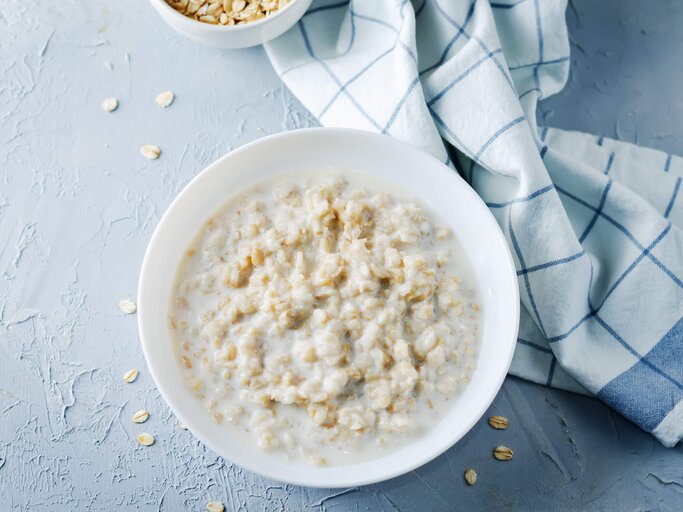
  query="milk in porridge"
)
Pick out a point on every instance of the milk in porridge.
point(330, 319)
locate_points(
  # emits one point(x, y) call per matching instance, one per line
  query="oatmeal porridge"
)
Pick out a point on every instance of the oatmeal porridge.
point(328, 319)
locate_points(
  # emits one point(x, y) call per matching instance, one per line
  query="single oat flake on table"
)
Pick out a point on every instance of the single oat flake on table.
point(127, 306)
point(141, 416)
point(471, 476)
point(165, 99)
point(215, 506)
point(110, 104)
point(499, 422)
point(150, 151)
point(146, 439)
point(502, 453)
point(228, 12)
point(130, 376)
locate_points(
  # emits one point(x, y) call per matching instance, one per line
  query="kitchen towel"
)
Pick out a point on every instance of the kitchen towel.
point(594, 224)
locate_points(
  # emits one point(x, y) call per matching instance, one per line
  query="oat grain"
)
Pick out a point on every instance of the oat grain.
point(502, 453)
point(165, 99)
point(471, 476)
point(146, 439)
point(130, 376)
point(499, 422)
point(110, 104)
point(141, 416)
point(150, 151)
point(127, 306)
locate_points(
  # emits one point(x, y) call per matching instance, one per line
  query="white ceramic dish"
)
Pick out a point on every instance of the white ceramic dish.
point(331, 148)
point(237, 36)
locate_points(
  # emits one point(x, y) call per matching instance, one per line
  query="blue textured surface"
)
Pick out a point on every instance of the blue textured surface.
point(78, 204)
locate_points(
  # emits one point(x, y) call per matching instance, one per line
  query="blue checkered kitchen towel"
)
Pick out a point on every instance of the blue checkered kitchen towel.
point(594, 224)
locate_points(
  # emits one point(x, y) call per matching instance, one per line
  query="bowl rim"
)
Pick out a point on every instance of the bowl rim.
point(192, 23)
point(350, 479)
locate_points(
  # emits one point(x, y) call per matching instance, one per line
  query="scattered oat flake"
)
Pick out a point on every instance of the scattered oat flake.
point(502, 453)
point(130, 376)
point(182, 425)
point(499, 422)
point(141, 416)
point(215, 506)
point(146, 439)
point(165, 99)
point(150, 151)
point(110, 104)
point(471, 476)
point(127, 306)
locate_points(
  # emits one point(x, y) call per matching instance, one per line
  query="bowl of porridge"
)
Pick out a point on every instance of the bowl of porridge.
point(231, 23)
point(328, 307)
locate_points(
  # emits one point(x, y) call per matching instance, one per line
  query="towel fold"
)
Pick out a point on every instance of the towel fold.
point(594, 224)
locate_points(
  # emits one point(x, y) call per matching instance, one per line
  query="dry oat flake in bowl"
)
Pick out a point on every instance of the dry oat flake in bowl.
point(330, 320)
point(228, 12)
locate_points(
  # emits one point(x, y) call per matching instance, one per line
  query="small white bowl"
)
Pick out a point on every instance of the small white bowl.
point(314, 150)
point(236, 36)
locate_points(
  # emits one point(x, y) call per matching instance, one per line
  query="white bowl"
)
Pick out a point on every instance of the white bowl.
point(312, 150)
point(236, 36)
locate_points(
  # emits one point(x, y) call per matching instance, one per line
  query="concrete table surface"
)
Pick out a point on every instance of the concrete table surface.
point(78, 204)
